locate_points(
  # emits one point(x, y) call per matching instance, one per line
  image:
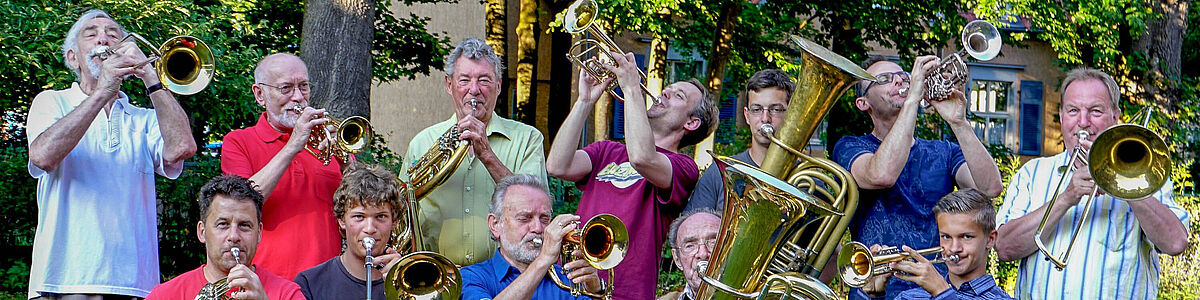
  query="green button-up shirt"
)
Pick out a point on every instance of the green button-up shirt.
point(454, 215)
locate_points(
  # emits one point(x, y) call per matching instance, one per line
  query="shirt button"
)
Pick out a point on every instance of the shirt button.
point(468, 210)
point(468, 189)
point(468, 256)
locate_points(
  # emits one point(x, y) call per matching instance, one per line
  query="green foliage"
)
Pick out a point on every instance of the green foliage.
point(18, 206)
point(179, 249)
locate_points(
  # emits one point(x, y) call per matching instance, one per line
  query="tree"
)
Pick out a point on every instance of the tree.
point(336, 45)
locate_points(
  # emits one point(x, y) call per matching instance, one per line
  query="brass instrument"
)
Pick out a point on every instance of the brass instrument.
point(1128, 161)
point(440, 161)
point(352, 135)
point(779, 234)
point(580, 19)
point(604, 241)
point(419, 274)
point(856, 264)
point(184, 63)
point(981, 41)
point(219, 290)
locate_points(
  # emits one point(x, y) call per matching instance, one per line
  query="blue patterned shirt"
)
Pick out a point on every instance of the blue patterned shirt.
point(902, 214)
point(487, 279)
point(983, 287)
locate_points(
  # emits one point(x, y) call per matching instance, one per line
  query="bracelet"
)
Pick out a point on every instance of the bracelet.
point(154, 88)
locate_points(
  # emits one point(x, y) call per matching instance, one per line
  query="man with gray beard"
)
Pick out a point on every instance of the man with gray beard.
point(299, 229)
point(519, 217)
point(95, 156)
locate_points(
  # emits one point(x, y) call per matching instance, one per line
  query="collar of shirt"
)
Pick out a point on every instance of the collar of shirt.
point(76, 96)
point(495, 125)
point(977, 286)
point(264, 130)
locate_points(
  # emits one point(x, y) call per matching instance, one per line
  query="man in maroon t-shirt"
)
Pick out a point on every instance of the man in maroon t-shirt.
point(231, 213)
point(645, 182)
point(299, 230)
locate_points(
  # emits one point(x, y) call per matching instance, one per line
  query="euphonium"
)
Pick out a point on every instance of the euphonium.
point(420, 274)
point(1128, 161)
point(604, 241)
point(184, 63)
point(352, 135)
point(440, 161)
point(779, 234)
point(856, 263)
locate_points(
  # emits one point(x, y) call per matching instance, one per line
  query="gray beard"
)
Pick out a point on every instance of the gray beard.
point(286, 120)
point(521, 253)
point(93, 68)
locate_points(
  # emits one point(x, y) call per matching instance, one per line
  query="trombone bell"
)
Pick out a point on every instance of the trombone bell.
point(1129, 161)
point(186, 66)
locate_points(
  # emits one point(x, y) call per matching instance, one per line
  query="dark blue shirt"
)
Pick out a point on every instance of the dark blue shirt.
point(902, 214)
point(710, 190)
point(983, 287)
point(487, 279)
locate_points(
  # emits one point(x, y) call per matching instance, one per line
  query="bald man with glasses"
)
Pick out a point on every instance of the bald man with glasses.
point(902, 177)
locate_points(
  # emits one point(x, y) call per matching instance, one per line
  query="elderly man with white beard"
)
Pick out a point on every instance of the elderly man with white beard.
point(518, 216)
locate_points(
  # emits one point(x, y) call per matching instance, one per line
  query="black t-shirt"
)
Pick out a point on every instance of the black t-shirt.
point(331, 280)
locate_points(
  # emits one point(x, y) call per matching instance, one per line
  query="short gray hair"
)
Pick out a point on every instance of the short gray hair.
point(497, 205)
point(969, 201)
point(1114, 92)
point(473, 48)
point(671, 235)
point(71, 43)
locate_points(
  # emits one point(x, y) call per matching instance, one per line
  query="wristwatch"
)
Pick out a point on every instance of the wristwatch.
point(154, 88)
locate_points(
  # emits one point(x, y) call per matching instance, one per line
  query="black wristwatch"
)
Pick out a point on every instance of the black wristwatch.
point(154, 88)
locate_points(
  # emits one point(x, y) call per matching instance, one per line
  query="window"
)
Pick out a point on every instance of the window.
point(989, 100)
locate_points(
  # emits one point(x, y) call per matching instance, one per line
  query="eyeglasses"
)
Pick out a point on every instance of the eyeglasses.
point(885, 78)
point(691, 247)
point(287, 89)
point(775, 111)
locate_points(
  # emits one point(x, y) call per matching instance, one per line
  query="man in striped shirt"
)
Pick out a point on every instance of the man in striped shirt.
point(1117, 257)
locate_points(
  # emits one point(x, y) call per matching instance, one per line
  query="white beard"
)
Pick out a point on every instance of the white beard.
point(520, 252)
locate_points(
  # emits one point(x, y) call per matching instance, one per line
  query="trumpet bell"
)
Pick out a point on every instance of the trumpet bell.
point(1129, 161)
point(354, 134)
point(423, 275)
point(605, 241)
point(981, 40)
point(186, 66)
point(580, 15)
point(854, 264)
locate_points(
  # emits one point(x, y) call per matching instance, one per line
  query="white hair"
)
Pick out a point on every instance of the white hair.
point(71, 43)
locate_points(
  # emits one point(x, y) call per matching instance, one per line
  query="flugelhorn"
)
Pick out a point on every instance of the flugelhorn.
point(856, 264)
point(184, 63)
point(590, 53)
point(1128, 161)
point(604, 241)
point(981, 41)
point(352, 135)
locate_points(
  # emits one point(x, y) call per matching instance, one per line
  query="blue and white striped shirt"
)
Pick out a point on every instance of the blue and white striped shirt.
point(1113, 258)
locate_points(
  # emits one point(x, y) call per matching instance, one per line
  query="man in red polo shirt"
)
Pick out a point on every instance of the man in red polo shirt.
point(299, 230)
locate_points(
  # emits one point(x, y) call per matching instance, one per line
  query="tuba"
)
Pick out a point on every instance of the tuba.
point(604, 241)
point(352, 135)
point(1128, 161)
point(419, 274)
point(783, 221)
point(184, 63)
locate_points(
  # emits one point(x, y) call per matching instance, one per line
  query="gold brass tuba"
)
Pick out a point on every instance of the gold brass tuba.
point(580, 19)
point(779, 234)
point(185, 64)
point(856, 263)
point(604, 241)
point(1128, 161)
point(352, 135)
point(420, 274)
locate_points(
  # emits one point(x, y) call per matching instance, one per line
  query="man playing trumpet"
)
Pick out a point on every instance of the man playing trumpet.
point(300, 231)
point(530, 244)
point(230, 227)
point(95, 155)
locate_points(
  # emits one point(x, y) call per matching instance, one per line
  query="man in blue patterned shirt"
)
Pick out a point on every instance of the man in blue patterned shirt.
point(966, 227)
point(902, 176)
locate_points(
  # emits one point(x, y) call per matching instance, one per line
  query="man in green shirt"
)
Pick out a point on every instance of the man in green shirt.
point(454, 215)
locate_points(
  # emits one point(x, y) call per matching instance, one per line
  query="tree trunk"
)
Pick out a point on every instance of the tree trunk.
point(656, 64)
point(718, 57)
point(336, 46)
point(527, 34)
point(1162, 43)
point(497, 36)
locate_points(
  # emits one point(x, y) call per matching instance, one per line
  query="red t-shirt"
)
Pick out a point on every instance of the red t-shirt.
point(614, 187)
point(299, 230)
point(188, 285)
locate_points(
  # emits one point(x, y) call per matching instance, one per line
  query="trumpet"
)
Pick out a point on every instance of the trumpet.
point(352, 136)
point(981, 41)
point(604, 241)
point(580, 19)
point(856, 263)
point(219, 290)
point(184, 63)
point(1128, 161)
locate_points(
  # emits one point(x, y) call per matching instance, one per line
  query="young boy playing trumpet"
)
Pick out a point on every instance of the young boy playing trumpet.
point(966, 223)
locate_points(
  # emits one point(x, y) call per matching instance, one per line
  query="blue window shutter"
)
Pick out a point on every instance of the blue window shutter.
point(728, 118)
point(618, 119)
point(1031, 118)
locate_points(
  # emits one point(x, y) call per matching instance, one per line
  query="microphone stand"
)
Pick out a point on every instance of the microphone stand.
point(368, 245)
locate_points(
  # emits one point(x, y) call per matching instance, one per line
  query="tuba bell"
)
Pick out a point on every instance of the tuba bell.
point(419, 274)
point(780, 233)
point(184, 63)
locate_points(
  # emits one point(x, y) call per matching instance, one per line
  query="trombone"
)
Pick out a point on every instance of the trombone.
point(184, 63)
point(581, 19)
point(352, 135)
point(604, 241)
point(1128, 161)
point(856, 264)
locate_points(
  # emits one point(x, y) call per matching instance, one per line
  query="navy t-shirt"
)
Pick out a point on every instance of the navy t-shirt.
point(902, 214)
point(331, 280)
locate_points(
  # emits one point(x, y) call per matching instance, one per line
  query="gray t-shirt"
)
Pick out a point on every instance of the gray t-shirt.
point(710, 191)
point(331, 280)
